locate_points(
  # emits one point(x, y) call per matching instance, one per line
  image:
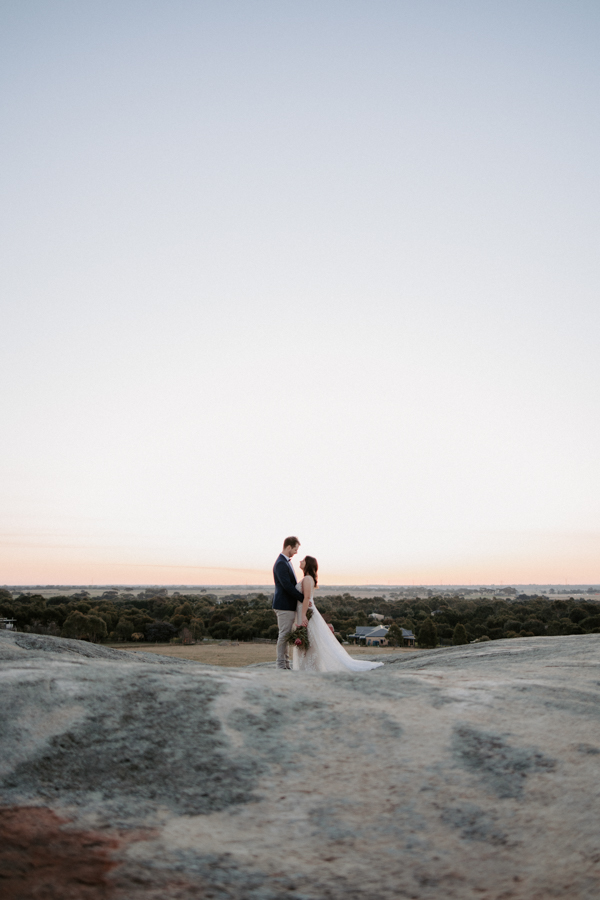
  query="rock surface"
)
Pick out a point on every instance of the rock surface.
point(467, 772)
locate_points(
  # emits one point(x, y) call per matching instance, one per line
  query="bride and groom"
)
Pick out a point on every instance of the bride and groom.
point(291, 603)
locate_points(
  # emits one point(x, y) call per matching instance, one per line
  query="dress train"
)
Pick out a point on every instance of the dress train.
point(325, 653)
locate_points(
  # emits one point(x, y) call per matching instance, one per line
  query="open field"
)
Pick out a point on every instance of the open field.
point(232, 654)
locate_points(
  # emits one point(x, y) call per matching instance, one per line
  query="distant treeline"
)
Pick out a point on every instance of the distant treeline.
point(155, 616)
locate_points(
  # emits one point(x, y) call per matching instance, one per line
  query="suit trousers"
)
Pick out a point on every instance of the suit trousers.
point(285, 620)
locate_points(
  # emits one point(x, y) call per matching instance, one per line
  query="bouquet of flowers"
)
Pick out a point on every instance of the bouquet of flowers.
point(298, 637)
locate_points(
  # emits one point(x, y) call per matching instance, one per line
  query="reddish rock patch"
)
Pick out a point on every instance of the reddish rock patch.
point(40, 859)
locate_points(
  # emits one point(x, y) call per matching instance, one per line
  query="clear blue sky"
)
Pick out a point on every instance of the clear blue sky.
point(326, 268)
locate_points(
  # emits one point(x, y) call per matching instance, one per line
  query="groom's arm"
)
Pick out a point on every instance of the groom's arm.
point(286, 580)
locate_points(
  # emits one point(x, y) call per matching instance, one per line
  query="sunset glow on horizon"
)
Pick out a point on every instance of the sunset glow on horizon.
point(326, 269)
point(576, 555)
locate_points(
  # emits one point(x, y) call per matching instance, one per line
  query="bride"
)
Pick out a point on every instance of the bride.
point(325, 653)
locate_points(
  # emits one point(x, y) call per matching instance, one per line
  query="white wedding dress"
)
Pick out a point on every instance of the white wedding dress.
point(325, 653)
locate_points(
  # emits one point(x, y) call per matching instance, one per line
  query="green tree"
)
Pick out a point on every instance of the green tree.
point(427, 636)
point(197, 628)
point(444, 631)
point(459, 635)
point(220, 631)
point(160, 632)
point(533, 625)
point(97, 630)
point(394, 636)
point(124, 629)
point(185, 610)
point(76, 625)
point(241, 633)
point(577, 615)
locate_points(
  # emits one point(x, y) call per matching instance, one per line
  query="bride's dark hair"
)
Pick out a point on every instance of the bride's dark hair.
point(311, 567)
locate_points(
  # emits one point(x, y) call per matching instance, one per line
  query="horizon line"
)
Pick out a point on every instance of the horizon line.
point(378, 585)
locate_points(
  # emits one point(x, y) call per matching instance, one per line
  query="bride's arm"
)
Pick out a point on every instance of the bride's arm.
point(307, 586)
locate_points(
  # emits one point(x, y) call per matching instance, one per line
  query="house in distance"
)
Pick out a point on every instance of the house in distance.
point(368, 636)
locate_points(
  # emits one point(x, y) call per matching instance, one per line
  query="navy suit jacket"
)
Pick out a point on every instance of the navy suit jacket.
point(286, 596)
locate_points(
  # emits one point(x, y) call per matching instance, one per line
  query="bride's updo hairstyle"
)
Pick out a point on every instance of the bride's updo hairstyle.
point(311, 567)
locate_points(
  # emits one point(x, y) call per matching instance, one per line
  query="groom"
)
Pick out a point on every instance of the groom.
point(286, 597)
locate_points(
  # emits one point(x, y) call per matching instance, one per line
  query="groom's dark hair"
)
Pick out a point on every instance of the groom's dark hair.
point(291, 542)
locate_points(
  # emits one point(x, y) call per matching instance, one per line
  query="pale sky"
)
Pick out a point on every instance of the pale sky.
point(319, 268)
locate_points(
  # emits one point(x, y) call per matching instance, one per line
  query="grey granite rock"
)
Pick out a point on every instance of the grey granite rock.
point(454, 773)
